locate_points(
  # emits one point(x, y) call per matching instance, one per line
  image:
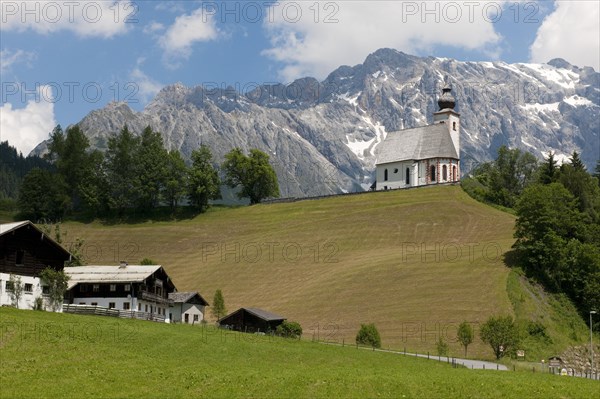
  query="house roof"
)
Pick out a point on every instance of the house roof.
point(183, 297)
point(261, 314)
point(6, 228)
point(425, 142)
point(109, 274)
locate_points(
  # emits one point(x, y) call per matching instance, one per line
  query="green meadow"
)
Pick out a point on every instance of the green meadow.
point(72, 356)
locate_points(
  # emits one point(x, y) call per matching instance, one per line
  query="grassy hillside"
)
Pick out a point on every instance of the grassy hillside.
point(415, 262)
point(72, 356)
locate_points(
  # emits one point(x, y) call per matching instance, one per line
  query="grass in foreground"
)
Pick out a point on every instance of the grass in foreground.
point(61, 356)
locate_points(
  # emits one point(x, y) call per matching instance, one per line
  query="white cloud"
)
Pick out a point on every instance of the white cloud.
point(9, 58)
point(153, 27)
point(187, 30)
point(147, 87)
point(571, 32)
point(314, 44)
point(86, 18)
point(24, 128)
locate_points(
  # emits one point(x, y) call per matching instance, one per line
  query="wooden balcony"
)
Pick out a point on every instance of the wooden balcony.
point(152, 297)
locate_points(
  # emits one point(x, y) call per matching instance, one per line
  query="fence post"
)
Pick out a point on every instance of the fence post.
point(427, 354)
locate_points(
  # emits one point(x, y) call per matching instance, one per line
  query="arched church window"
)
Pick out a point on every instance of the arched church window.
point(454, 126)
point(445, 172)
point(407, 176)
point(432, 174)
point(385, 175)
point(454, 173)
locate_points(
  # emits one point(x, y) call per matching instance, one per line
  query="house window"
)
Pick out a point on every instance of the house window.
point(111, 305)
point(407, 176)
point(445, 172)
point(454, 126)
point(139, 307)
point(45, 290)
point(82, 303)
point(127, 287)
point(113, 287)
point(385, 175)
point(125, 305)
point(94, 304)
point(96, 288)
point(9, 286)
point(195, 317)
point(19, 257)
point(29, 288)
point(187, 318)
point(82, 287)
point(145, 308)
point(432, 174)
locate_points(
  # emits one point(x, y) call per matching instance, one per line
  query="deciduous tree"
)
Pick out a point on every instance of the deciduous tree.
point(253, 174)
point(203, 179)
point(501, 334)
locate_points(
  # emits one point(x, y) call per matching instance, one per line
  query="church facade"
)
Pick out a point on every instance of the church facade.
point(423, 155)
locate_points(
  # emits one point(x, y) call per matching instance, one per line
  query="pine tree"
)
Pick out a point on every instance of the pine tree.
point(151, 163)
point(576, 162)
point(120, 165)
point(218, 307)
point(548, 172)
point(175, 179)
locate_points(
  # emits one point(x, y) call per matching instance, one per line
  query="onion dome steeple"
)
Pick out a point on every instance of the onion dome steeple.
point(446, 100)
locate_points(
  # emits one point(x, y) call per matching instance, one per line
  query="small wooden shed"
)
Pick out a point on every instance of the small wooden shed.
point(251, 320)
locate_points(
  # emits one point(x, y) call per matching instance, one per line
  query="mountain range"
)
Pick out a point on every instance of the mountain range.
point(323, 136)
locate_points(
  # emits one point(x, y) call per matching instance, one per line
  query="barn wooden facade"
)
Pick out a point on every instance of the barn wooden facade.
point(25, 251)
point(251, 320)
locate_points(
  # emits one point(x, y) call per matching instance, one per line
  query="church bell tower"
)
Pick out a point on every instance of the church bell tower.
point(448, 115)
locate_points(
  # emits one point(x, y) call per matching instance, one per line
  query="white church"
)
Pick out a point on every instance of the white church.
point(422, 155)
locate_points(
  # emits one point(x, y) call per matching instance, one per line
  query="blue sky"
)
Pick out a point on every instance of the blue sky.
point(61, 59)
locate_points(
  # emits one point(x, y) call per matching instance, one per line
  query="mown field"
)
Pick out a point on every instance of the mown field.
point(415, 262)
point(71, 356)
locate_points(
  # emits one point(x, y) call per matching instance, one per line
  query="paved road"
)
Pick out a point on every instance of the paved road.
point(469, 363)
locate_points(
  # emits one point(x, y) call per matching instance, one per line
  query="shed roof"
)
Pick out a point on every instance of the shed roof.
point(8, 227)
point(109, 274)
point(183, 297)
point(260, 313)
point(425, 142)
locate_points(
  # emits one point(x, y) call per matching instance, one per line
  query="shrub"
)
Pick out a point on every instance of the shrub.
point(442, 347)
point(289, 329)
point(38, 303)
point(368, 335)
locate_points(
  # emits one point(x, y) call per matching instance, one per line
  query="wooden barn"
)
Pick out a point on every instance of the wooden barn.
point(251, 320)
point(25, 251)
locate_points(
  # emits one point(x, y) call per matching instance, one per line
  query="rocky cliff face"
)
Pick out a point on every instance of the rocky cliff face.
point(323, 136)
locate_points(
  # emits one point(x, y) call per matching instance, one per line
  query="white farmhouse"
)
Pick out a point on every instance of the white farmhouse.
point(188, 307)
point(423, 155)
point(137, 291)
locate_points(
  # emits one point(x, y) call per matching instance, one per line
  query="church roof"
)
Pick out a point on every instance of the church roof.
point(425, 142)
